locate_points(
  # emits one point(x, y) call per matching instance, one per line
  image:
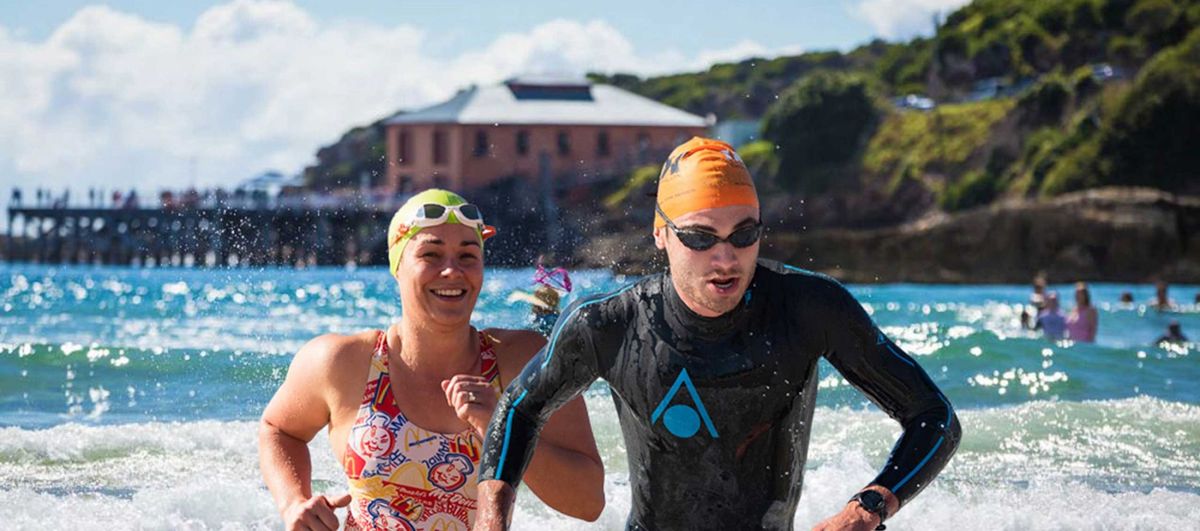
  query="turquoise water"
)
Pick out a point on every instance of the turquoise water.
point(128, 399)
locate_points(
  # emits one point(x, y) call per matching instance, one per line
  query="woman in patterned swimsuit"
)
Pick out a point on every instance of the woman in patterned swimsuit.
point(406, 407)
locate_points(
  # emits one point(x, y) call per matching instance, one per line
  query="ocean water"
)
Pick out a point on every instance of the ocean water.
point(129, 399)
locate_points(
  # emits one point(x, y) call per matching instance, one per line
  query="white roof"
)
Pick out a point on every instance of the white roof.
point(499, 104)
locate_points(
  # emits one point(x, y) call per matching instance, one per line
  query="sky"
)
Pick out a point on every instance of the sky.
point(153, 94)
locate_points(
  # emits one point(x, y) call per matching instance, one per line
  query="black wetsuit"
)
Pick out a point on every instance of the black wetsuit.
point(716, 412)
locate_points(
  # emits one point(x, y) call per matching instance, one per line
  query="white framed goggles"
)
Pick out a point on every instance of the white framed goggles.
point(433, 214)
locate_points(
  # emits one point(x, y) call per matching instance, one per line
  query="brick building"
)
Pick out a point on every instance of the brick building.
point(572, 132)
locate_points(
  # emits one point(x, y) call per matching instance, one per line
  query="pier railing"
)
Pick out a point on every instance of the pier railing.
point(287, 230)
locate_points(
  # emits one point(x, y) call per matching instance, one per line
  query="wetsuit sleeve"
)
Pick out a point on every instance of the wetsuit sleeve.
point(897, 384)
point(565, 367)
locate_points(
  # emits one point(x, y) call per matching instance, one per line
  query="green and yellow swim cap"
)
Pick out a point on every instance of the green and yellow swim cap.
point(402, 229)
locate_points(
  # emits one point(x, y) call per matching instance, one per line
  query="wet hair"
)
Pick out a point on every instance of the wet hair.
point(549, 296)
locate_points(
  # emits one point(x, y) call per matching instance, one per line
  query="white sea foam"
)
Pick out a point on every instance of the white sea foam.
point(1122, 464)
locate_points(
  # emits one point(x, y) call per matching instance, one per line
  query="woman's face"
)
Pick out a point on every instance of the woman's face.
point(441, 273)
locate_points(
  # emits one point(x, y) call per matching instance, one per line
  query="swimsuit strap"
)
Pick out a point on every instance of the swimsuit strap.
point(489, 367)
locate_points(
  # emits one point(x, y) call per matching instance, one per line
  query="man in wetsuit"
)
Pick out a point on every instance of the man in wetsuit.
point(713, 370)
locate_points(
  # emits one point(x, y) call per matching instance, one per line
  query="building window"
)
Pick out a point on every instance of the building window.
point(406, 184)
point(522, 142)
point(481, 143)
point(439, 147)
point(643, 146)
point(564, 143)
point(404, 147)
point(602, 148)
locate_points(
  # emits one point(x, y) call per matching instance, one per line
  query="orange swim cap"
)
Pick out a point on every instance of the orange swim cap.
point(703, 173)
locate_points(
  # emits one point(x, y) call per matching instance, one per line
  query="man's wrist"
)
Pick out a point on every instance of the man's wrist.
point(863, 514)
point(875, 504)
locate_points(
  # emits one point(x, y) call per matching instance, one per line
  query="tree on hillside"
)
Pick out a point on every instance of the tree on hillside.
point(819, 125)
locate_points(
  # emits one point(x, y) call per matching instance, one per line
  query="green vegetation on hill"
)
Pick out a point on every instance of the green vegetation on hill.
point(1151, 138)
point(937, 141)
point(1053, 97)
point(359, 154)
point(1033, 98)
point(744, 89)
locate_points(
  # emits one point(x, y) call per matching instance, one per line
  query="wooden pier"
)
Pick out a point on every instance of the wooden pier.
point(242, 235)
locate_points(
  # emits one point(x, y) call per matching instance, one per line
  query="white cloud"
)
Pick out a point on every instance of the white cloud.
point(741, 50)
point(112, 99)
point(902, 19)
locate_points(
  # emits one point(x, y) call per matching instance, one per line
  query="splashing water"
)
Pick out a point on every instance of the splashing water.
point(128, 399)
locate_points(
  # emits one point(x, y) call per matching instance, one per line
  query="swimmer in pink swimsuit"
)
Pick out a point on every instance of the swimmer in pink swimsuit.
point(1084, 319)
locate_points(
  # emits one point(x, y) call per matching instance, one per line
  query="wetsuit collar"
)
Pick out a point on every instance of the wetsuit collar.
point(689, 323)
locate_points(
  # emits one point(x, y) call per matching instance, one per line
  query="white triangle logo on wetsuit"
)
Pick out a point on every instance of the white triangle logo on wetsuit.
point(681, 420)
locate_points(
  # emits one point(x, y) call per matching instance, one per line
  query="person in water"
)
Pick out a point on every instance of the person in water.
point(1050, 319)
point(545, 309)
point(1162, 300)
point(543, 303)
point(1084, 319)
point(1037, 299)
point(712, 367)
point(544, 300)
point(407, 407)
point(1174, 334)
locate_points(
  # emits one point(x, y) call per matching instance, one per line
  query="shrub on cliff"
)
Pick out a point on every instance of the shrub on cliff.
point(820, 125)
point(977, 187)
point(1045, 102)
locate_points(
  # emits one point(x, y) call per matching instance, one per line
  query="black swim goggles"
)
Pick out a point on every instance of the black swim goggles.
point(702, 241)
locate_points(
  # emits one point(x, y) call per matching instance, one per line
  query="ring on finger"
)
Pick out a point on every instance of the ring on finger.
point(470, 396)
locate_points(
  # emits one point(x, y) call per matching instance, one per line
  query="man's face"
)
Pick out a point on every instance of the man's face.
point(711, 282)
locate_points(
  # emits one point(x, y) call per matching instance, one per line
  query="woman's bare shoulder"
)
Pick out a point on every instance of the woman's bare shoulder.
point(336, 356)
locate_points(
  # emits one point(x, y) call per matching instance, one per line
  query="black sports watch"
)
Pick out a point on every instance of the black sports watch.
point(874, 503)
